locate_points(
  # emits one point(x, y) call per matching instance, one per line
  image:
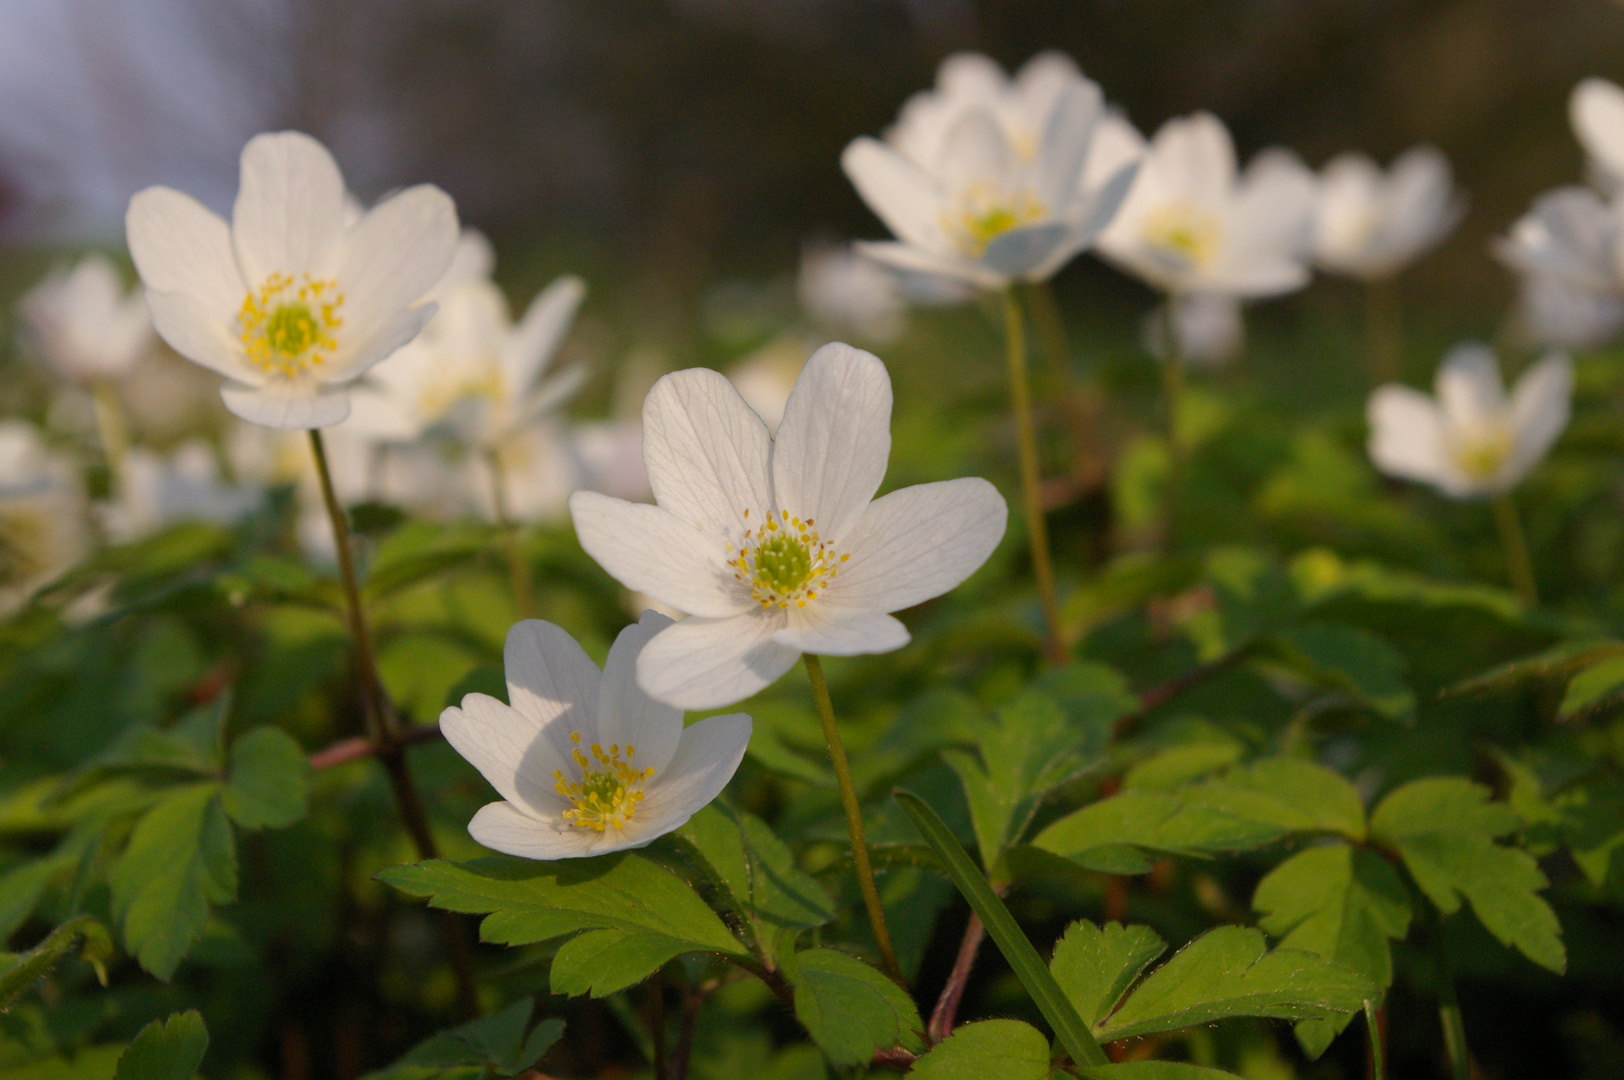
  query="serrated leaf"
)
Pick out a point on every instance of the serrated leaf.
point(1295, 796)
point(525, 901)
point(1348, 659)
point(600, 962)
point(21, 888)
point(1178, 765)
point(1154, 1070)
point(757, 873)
point(1110, 835)
point(1095, 966)
point(181, 858)
point(1592, 822)
point(1594, 691)
point(496, 1042)
point(1229, 972)
point(265, 788)
point(848, 1007)
point(95, 947)
point(1559, 663)
point(166, 1049)
point(985, 1050)
point(1444, 828)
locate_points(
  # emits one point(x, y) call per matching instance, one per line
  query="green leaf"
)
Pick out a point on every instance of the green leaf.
point(166, 1050)
point(1444, 828)
point(1292, 795)
point(1596, 690)
point(756, 873)
point(1592, 823)
point(1348, 659)
point(1112, 834)
point(848, 1007)
point(1154, 1070)
point(496, 1042)
point(525, 901)
point(987, 1050)
point(1096, 966)
point(265, 788)
point(1177, 765)
point(95, 948)
point(1229, 972)
point(20, 890)
point(1070, 1030)
point(600, 962)
point(1561, 663)
point(181, 858)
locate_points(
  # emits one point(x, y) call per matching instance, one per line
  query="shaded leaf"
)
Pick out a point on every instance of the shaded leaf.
point(1292, 795)
point(166, 1049)
point(1112, 835)
point(1095, 966)
point(265, 788)
point(600, 962)
point(90, 937)
point(497, 1042)
point(987, 1049)
point(1349, 659)
point(1154, 1070)
point(848, 1007)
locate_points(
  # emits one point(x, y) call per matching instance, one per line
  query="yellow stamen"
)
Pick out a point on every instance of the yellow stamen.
point(287, 326)
point(609, 790)
point(784, 566)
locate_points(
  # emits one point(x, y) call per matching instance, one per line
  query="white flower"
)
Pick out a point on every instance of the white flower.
point(776, 546)
point(986, 185)
point(586, 763)
point(154, 491)
point(473, 369)
point(1472, 441)
point(1209, 330)
point(847, 293)
point(1556, 314)
point(42, 515)
point(289, 302)
point(1572, 235)
point(1191, 224)
point(1369, 224)
point(1596, 109)
point(84, 322)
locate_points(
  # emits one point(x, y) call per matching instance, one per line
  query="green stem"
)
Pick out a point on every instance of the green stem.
point(1054, 641)
point(1519, 564)
point(1173, 395)
point(1384, 334)
point(1051, 329)
point(518, 563)
point(115, 433)
point(854, 817)
point(1460, 1058)
point(1373, 1027)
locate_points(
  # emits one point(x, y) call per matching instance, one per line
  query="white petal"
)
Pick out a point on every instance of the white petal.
point(897, 190)
point(831, 629)
point(395, 255)
point(287, 403)
point(289, 214)
point(915, 260)
point(526, 353)
point(1065, 142)
point(1406, 434)
point(508, 748)
point(183, 321)
point(1539, 411)
point(502, 827)
point(1018, 253)
point(705, 760)
point(1468, 386)
point(625, 713)
point(650, 550)
point(707, 663)
point(834, 442)
point(553, 682)
point(706, 451)
point(1597, 111)
point(1195, 152)
point(919, 542)
point(180, 246)
point(976, 152)
point(385, 339)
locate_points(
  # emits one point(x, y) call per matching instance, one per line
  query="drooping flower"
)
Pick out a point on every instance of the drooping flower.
point(154, 490)
point(1192, 224)
point(1596, 109)
point(586, 763)
point(775, 545)
point(85, 324)
point(1471, 441)
point(1369, 224)
point(984, 183)
point(290, 302)
point(43, 531)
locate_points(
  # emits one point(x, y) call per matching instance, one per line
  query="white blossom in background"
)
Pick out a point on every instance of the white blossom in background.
point(1552, 313)
point(766, 377)
point(1471, 440)
point(1596, 109)
point(1568, 251)
point(86, 324)
point(1207, 330)
point(289, 302)
point(43, 527)
point(982, 181)
point(1370, 224)
point(153, 490)
point(848, 294)
point(585, 762)
point(1192, 223)
point(775, 545)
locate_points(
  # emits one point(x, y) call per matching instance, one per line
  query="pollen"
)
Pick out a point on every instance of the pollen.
point(784, 562)
point(609, 790)
point(985, 212)
point(1483, 452)
point(286, 326)
point(1185, 234)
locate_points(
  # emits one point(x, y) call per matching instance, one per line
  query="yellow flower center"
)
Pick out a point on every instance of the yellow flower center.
point(784, 561)
point(287, 325)
point(439, 394)
point(986, 212)
point(609, 789)
point(1482, 453)
point(1189, 234)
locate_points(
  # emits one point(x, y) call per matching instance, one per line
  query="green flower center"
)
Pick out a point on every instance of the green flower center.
point(1187, 233)
point(784, 562)
point(1482, 454)
point(286, 326)
point(985, 212)
point(609, 790)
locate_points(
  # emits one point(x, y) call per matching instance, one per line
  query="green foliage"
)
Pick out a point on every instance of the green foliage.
point(848, 1007)
point(1095, 966)
point(1007, 1049)
point(95, 946)
point(166, 1050)
point(1154, 1070)
point(266, 786)
point(497, 1043)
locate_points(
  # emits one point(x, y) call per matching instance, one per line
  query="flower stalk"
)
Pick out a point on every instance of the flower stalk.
point(518, 564)
point(1173, 399)
point(1519, 563)
point(1384, 335)
point(1020, 397)
point(110, 424)
point(854, 817)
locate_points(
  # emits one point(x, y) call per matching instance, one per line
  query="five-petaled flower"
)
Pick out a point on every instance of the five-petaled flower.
point(1472, 442)
point(585, 762)
point(776, 546)
point(292, 300)
point(1371, 224)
